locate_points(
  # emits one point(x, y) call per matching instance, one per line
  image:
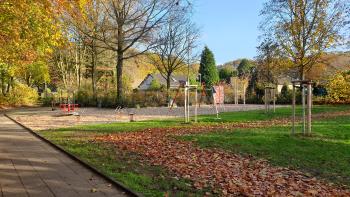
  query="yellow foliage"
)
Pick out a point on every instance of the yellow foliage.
point(338, 87)
point(20, 95)
point(27, 27)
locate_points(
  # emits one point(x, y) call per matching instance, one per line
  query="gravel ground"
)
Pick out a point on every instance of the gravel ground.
point(44, 118)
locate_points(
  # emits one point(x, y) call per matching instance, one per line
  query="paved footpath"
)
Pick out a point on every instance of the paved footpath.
point(30, 167)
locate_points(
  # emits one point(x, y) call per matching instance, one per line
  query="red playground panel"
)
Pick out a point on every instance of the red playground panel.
point(69, 107)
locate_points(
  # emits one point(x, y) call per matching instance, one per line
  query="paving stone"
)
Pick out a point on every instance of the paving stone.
point(30, 167)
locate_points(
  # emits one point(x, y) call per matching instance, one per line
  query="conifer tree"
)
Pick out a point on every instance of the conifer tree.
point(208, 68)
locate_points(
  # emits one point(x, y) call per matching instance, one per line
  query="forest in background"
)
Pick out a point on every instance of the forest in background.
point(96, 52)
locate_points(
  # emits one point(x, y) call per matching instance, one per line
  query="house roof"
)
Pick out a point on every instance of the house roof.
point(175, 80)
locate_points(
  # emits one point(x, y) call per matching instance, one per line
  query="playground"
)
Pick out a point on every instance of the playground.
point(45, 118)
point(203, 149)
point(249, 152)
point(185, 98)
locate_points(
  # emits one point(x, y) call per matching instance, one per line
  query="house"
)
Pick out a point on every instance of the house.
point(284, 80)
point(175, 81)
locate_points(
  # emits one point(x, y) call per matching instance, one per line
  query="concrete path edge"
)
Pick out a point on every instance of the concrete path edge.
point(104, 176)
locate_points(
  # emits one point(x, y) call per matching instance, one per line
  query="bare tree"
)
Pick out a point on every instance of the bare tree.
point(304, 29)
point(175, 41)
point(125, 27)
point(269, 61)
point(347, 23)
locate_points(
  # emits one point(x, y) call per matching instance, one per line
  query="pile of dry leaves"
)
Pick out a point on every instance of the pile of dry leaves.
point(227, 173)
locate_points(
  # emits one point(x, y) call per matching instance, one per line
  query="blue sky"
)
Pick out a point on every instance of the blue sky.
point(229, 27)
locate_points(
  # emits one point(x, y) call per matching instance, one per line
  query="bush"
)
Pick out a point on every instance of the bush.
point(254, 99)
point(20, 95)
point(155, 85)
point(285, 97)
point(85, 98)
point(148, 98)
point(338, 88)
point(110, 99)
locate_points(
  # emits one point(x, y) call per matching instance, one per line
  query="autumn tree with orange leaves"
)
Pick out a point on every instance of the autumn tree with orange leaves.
point(28, 32)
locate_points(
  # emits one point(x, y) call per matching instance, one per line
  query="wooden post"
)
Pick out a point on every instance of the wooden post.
point(269, 100)
point(244, 93)
point(303, 106)
point(216, 109)
point(274, 100)
point(265, 100)
point(236, 91)
point(188, 104)
point(185, 104)
point(196, 107)
point(309, 107)
point(293, 110)
point(131, 117)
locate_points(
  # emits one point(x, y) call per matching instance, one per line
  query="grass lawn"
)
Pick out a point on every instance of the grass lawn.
point(326, 155)
point(227, 117)
point(123, 167)
point(257, 115)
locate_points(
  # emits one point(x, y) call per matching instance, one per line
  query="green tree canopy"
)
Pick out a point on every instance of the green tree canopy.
point(245, 68)
point(208, 68)
point(226, 73)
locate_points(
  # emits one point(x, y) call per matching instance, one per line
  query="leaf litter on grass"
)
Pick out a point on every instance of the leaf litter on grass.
point(226, 173)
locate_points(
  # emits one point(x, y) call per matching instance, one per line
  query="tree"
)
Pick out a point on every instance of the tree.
point(207, 69)
point(245, 68)
point(28, 32)
point(226, 73)
point(270, 64)
point(155, 85)
point(347, 23)
point(304, 29)
point(284, 90)
point(126, 27)
point(175, 40)
point(37, 74)
point(84, 22)
point(338, 87)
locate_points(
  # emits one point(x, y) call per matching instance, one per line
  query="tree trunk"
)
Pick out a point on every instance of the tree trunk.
point(9, 84)
point(79, 75)
point(77, 65)
point(3, 83)
point(28, 81)
point(93, 73)
point(119, 69)
point(93, 83)
point(302, 77)
point(302, 73)
point(120, 61)
point(168, 78)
